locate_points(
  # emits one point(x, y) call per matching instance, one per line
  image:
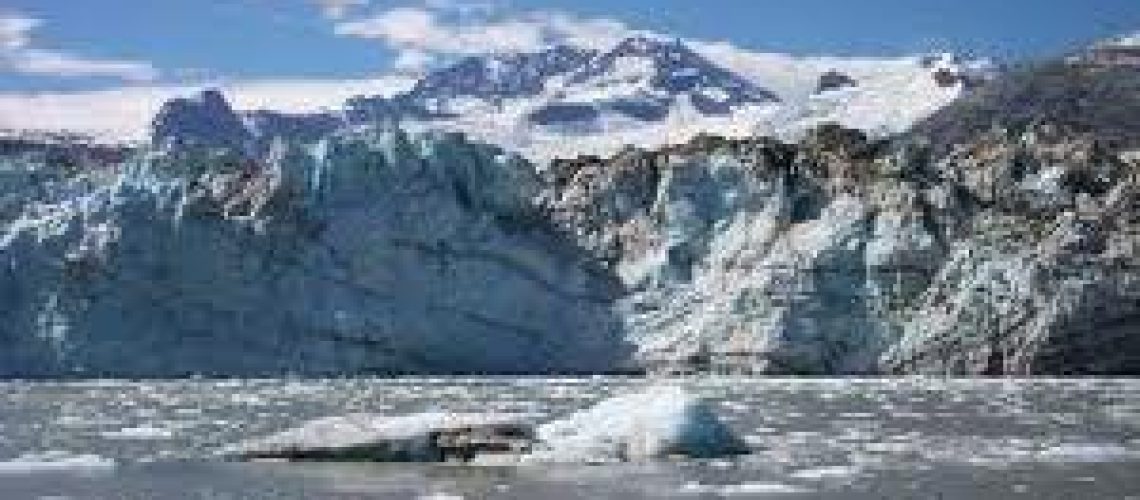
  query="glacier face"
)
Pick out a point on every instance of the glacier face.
point(368, 252)
point(842, 255)
point(375, 251)
point(364, 249)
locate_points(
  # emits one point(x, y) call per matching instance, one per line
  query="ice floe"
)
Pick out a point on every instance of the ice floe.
point(55, 461)
point(421, 437)
point(654, 424)
point(659, 423)
point(749, 489)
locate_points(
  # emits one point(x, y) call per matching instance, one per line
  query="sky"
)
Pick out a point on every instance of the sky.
point(285, 50)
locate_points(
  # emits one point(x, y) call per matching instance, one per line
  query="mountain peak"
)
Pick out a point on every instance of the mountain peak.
point(668, 67)
point(649, 44)
point(205, 119)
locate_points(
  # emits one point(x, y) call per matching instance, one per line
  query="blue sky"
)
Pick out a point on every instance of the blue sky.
point(61, 45)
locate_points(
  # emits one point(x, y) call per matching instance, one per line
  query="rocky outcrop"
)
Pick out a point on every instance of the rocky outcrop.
point(1101, 101)
point(207, 121)
point(834, 80)
point(204, 120)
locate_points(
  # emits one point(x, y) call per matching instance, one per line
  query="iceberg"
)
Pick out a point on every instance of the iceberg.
point(658, 423)
point(420, 437)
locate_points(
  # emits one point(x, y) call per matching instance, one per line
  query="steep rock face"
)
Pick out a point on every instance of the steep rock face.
point(1014, 255)
point(1045, 279)
point(365, 253)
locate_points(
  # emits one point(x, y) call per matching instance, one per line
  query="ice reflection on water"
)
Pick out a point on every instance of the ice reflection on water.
point(903, 438)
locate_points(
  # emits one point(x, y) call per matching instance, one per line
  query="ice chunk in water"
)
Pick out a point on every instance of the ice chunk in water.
point(54, 461)
point(421, 437)
point(660, 422)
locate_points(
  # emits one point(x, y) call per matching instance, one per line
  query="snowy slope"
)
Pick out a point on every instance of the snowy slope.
point(737, 94)
point(645, 91)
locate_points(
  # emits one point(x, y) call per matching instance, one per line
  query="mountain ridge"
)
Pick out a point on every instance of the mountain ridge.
point(643, 91)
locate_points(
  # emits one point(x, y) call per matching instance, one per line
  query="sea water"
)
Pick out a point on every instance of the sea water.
point(919, 438)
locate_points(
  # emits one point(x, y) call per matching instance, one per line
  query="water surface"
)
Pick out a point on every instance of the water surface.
point(812, 438)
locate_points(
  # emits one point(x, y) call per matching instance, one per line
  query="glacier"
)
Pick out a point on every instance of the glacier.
point(367, 252)
point(990, 238)
point(378, 251)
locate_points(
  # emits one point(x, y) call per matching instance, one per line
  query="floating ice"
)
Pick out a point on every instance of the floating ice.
point(421, 437)
point(747, 489)
point(658, 423)
point(144, 432)
point(54, 461)
point(1087, 453)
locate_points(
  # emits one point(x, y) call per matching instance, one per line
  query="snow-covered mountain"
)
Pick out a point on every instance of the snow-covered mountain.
point(644, 91)
point(639, 78)
point(650, 92)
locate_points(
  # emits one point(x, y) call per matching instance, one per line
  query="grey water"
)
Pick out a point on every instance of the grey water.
point(917, 438)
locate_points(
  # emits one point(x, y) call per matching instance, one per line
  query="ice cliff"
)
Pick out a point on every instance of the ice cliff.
point(370, 252)
point(1015, 255)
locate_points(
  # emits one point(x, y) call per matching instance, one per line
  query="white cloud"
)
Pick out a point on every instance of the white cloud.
point(464, 7)
point(124, 114)
point(442, 28)
point(48, 62)
point(411, 61)
point(18, 54)
point(14, 31)
point(417, 29)
point(338, 9)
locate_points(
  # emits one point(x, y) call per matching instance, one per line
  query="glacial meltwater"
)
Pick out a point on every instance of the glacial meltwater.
point(917, 438)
